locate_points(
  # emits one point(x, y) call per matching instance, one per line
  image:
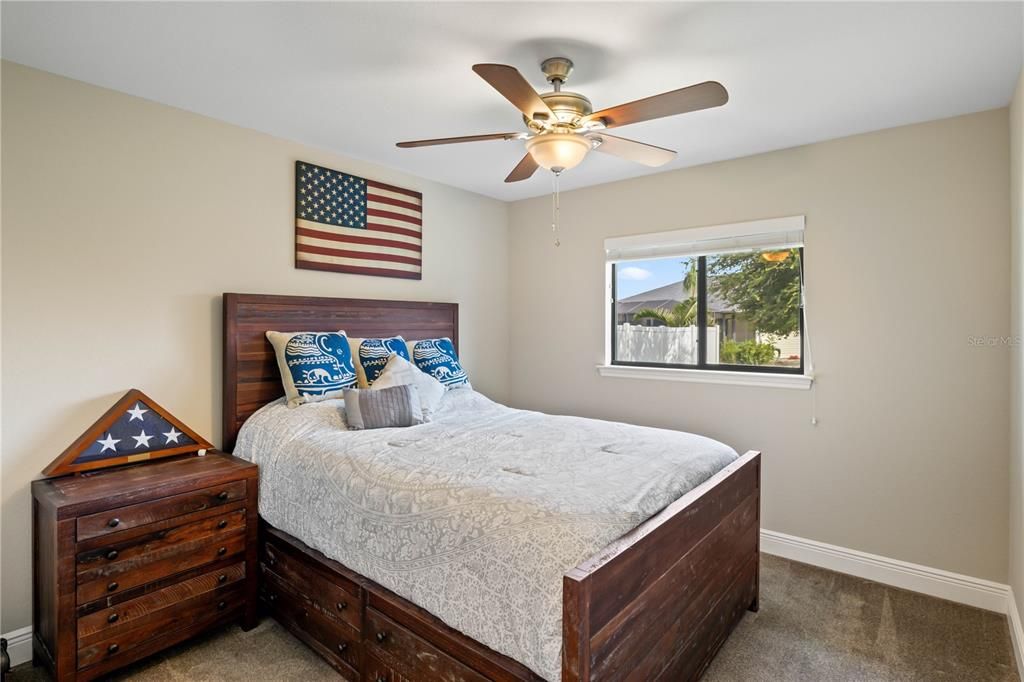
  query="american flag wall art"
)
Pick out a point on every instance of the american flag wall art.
point(344, 223)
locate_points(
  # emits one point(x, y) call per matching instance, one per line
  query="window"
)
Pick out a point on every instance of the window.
point(727, 298)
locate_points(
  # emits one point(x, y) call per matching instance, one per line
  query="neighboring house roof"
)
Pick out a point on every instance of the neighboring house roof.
point(666, 298)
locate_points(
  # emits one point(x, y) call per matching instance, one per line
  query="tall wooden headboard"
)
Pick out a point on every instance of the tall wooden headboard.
point(251, 377)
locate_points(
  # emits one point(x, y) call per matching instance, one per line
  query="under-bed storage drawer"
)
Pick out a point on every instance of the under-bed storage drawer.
point(407, 656)
point(375, 670)
point(333, 596)
point(332, 638)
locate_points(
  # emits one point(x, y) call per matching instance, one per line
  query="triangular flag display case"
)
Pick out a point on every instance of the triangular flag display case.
point(135, 429)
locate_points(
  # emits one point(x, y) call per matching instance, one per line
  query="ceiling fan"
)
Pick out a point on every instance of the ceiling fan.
point(562, 126)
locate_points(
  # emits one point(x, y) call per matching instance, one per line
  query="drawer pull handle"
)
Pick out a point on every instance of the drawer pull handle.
point(343, 647)
point(112, 586)
point(342, 605)
point(222, 605)
point(381, 636)
point(222, 578)
point(381, 678)
point(161, 534)
point(222, 495)
point(222, 551)
point(114, 523)
point(223, 523)
point(112, 649)
point(272, 597)
point(112, 554)
point(112, 618)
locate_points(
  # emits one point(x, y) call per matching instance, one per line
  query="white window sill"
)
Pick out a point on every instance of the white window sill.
point(708, 376)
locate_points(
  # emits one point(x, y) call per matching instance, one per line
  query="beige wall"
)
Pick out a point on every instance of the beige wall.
point(907, 237)
point(124, 222)
point(907, 234)
point(1017, 334)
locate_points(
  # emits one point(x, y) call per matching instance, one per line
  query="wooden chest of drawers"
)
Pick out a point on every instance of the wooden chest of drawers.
point(129, 561)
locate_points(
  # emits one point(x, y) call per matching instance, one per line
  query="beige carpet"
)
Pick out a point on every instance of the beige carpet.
point(814, 625)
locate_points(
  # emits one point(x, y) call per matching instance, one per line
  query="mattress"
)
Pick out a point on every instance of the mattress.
point(477, 515)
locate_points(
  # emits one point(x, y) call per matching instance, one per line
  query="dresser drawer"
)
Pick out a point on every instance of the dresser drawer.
point(188, 613)
point(334, 596)
point(103, 624)
point(120, 576)
point(123, 518)
point(115, 557)
point(410, 655)
point(335, 640)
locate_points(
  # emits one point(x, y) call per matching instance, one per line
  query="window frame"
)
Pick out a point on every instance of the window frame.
point(702, 364)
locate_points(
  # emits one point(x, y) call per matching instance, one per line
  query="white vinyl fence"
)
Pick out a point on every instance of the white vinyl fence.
point(673, 345)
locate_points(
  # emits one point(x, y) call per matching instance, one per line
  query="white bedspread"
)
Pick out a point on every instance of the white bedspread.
point(476, 515)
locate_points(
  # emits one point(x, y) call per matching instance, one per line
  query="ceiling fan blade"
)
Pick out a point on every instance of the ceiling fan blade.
point(456, 140)
point(513, 87)
point(694, 98)
point(647, 154)
point(523, 170)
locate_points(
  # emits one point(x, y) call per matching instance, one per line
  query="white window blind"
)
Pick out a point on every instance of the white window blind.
point(773, 233)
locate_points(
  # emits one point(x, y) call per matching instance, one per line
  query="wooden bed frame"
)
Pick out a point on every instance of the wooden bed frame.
point(656, 604)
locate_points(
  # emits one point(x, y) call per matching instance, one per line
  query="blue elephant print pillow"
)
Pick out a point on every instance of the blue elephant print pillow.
point(372, 354)
point(314, 365)
point(437, 358)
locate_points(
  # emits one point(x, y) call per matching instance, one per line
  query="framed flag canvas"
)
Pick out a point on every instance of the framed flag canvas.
point(134, 429)
point(344, 223)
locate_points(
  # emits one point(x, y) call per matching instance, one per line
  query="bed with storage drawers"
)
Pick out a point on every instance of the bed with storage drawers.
point(438, 552)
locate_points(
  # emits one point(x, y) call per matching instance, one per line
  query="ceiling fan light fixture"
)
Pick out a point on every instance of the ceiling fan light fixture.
point(558, 151)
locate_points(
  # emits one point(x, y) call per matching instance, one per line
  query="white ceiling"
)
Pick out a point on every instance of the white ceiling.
point(355, 78)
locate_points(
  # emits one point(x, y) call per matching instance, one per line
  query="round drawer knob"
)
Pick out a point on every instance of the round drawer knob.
point(112, 586)
point(381, 636)
point(112, 618)
point(342, 605)
point(222, 551)
point(222, 495)
point(223, 523)
point(222, 605)
point(114, 523)
point(273, 597)
point(222, 578)
point(343, 647)
point(112, 649)
point(112, 554)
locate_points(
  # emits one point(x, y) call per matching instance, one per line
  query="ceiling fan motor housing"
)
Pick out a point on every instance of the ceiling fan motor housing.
point(569, 108)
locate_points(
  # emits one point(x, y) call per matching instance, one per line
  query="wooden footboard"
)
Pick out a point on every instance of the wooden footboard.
point(658, 602)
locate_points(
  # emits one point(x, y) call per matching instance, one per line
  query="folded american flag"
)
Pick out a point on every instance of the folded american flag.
point(345, 223)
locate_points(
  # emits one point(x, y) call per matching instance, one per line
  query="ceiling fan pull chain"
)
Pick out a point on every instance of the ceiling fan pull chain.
point(554, 211)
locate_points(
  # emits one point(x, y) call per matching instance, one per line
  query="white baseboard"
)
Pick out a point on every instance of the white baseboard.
point(19, 645)
point(1016, 631)
point(963, 589)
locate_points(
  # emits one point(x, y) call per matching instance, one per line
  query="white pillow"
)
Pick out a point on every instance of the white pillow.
point(401, 372)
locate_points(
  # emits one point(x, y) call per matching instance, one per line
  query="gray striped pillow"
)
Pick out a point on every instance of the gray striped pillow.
point(383, 408)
